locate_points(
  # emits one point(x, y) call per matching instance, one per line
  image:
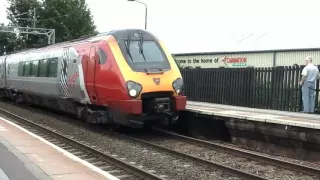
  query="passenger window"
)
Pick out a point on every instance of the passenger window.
point(43, 68)
point(102, 56)
point(20, 68)
point(34, 68)
point(53, 67)
point(27, 67)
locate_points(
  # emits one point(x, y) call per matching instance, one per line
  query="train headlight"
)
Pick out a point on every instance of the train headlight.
point(178, 86)
point(133, 92)
point(134, 88)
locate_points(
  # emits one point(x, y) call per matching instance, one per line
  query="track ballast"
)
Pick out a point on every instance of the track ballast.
point(105, 162)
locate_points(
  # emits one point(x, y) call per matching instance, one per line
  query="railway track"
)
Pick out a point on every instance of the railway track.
point(105, 162)
point(245, 153)
point(123, 170)
point(229, 170)
point(165, 165)
point(224, 149)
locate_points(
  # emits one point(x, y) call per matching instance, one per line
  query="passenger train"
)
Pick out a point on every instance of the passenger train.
point(124, 77)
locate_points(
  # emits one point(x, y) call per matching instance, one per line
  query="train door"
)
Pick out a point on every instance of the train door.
point(64, 73)
point(73, 73)
point(3, 72)
point(91, 75)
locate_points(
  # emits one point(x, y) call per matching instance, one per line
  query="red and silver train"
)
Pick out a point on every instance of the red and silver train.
point(124, 77)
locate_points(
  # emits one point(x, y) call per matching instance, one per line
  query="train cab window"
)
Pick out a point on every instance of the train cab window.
point(34, 68)
point(53, 67)
point(20, 68)
point(151, 52)
point(27, 68)
point(43, 66)
point(102, 56)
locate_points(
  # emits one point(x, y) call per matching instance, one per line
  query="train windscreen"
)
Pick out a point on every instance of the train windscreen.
point(148, 51)
point(142, 51)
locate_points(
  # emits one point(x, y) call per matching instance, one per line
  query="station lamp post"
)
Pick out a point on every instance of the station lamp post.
point(146, 14)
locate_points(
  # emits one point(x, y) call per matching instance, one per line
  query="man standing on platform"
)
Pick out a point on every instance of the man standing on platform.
point(310, 74)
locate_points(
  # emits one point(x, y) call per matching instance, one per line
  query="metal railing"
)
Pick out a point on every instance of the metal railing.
point(268, 88)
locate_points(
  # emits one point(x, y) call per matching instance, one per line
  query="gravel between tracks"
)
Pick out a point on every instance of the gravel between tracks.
point(168, 166)
point(254, 167)
point(267, 151)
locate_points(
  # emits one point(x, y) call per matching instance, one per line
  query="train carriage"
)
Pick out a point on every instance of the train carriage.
point(124, 76)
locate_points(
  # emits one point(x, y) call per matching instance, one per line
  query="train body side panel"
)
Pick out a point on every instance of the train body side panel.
point(83, 53)
point(36, 85)
point(102, 80)
point(91, 65)
point(110, 85)
point(69, 80)
point(75, 74)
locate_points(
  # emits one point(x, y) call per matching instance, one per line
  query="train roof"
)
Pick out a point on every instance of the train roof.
point(82, 39)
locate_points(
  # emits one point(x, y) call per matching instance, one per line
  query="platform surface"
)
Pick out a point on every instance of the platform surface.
point(11, 167)
point(25, 156)
point(263, 115)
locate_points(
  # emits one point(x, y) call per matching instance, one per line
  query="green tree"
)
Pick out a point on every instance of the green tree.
point(6, 45)
point(70, 18)
point(9, 42)
point(20, 14)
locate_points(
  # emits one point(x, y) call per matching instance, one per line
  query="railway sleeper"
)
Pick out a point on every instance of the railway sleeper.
point(77, 153)
point(117, 172)
point(98, 163)
point(125, 176)
point(92, 159)
point(82, 156)
point(73, 150)
point(106, 167)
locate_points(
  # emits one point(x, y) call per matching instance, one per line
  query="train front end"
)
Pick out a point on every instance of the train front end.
point(151, 79)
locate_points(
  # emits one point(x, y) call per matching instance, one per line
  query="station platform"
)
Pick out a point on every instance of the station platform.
point(310, 121)
point(26, 156)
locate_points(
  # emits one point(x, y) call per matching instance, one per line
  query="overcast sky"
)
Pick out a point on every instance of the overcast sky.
point(214, 25)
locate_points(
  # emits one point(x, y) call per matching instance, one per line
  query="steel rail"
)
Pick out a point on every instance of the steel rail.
point(245, 153)
point(213, 165)
point(99, 157)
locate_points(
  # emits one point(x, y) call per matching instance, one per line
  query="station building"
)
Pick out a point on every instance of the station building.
point(240, 59)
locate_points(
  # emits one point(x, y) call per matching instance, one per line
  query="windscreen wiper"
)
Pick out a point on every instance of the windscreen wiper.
point(141, 46)
point(128, 46)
